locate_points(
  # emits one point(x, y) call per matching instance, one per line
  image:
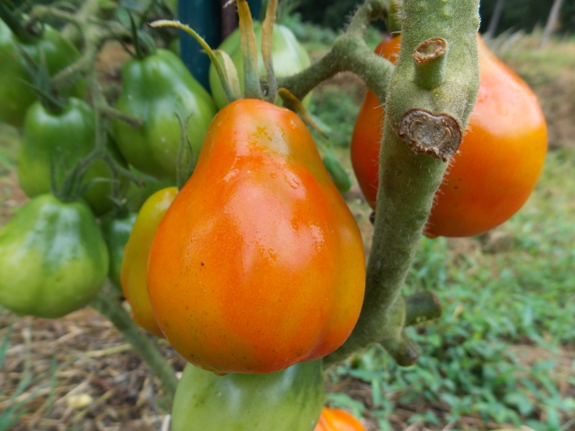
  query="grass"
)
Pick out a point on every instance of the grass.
point(506, 295)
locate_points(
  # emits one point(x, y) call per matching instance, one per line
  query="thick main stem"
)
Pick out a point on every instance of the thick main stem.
point(407, 180)
point(112, 309)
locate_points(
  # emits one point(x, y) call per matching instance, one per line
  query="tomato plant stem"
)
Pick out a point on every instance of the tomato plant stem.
point(408, 180)
point(110, 307)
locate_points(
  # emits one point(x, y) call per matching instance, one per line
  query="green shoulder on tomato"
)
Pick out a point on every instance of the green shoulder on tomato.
point(288, 400)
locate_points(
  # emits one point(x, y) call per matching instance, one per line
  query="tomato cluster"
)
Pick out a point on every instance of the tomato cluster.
point(254, 269)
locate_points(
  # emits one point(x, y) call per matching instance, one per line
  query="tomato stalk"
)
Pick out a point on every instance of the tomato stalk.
point(110, 306)
point(349, 53)
point(93, 38)
point(408, 181)
point(421, 307)
point(90, 9)
point(249, 45)
point(230, 95)
point(104, 113)
point(267, 35)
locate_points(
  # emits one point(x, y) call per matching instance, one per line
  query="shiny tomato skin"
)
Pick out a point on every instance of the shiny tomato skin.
point(135, 261)
point(258, 264)
point(337, 420)
point(499, 161)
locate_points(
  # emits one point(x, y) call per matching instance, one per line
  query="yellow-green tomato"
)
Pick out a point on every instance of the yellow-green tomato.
point(287, 400)
point(289, 57)
point(53, 259)
point(135, 261)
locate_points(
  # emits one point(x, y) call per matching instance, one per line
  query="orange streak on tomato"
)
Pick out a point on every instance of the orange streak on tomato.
point(258, 264)
point(499, 161)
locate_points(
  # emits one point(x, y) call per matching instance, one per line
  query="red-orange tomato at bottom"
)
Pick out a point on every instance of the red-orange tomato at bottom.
point(499, 161)
point(337, 420)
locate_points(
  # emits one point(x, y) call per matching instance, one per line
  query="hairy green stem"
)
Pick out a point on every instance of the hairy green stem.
point(430, 59)
point(422, 307)
point(90, 9)
point(111, 308)
point(349, 54)
point(407, 180)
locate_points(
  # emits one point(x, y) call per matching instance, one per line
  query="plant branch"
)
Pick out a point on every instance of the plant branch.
point(111, 308)
point(94, 37)
point(89, 10)
point(349, 53)
point(113, 113)
point(422, 307)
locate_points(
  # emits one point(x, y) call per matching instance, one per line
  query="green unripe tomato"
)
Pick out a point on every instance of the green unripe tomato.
point(15, 95)
point(288, 400)
point(154, 89)
point(116, 233)
point(53, 259)
point(289, 57)
point(63, 138)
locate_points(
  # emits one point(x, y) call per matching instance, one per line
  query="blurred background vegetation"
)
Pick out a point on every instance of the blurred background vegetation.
point(516, 14)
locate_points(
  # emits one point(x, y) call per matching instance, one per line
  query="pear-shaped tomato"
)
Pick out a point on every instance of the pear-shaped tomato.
point(258, 264)
point(15, 96)
point(116, 233)
point(53, 259)
point(135, 261)
point(288, 400)
point(62, 139)
point(498, 163)
point(289, 57)
point(338, 420)
point(154, 89)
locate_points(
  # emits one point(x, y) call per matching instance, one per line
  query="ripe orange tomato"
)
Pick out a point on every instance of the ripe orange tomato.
point(499, 160)
point(337, 420)
point(258, 264)
point(135, 261)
